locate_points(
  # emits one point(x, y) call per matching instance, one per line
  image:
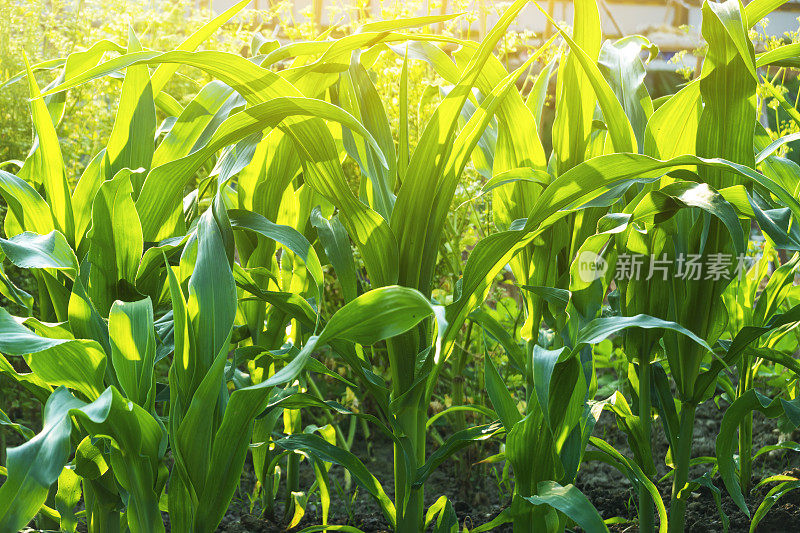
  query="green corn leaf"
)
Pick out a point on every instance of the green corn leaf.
point(292, 304)
point(502, 401)
point(774, 145)
point(32, 383)
point(777, 225)
point(28, 208)
point(602, 328)
point(19, 428)
point(781, 56)
point(402, 133)
point(37, 464)
point(513, 175)
point(29, 250)
point(75, 63)
point(495, 330)
point(690, 194)
point(625, 73)
point(489, 413)
point(758, 9)
point(45, 164)
point(193, 445)
point(445, 514)
point(406, 23)
point(84, 320)
point(453, 444)
point(775, 292)
point(67, 498)
point(9, 290)
point(151, 275)
point(115, 242)
point(575, 105)
point(570, 501)
point(345, 529)
point(49, 64)
point(211, 305)
point(84, 195)
point(538, 95)
point(632, 426)
point(336, 243)
point(358, 95)
point(165, 71)
point(332, 57)
point(133, 349)
point(727, 86)
point(379, 314)
point(587, 34)
point(543, 363)
point(749, 334)
point(374, 316)
point(198, 120)
point(672, 128)
point(285, 235)
point(770, 499)
point(78, 364)
point(169, 106)
point(608, 454)
point(130, 144)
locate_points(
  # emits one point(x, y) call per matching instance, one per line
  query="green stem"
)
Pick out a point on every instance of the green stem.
point(2, 430)
point(292, 416)
point(413, 426)
point(646, 504)
point(104, 521)
point(268, 489)
point(459, 419)
point(535, 521)
point(745, 427)
point(101, 516)
point(411, 418)
point(681, 456)
point(745, 453)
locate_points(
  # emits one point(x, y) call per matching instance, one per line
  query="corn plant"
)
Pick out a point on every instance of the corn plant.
point(660, 238)
point(668, 149)
point(198, 245)
point(521, 172)
point(198, 367)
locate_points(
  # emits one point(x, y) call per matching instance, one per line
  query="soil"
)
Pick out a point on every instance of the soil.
point(477, 497)
point(612, 494)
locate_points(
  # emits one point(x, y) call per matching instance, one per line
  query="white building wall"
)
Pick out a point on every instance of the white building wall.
point(649, 17)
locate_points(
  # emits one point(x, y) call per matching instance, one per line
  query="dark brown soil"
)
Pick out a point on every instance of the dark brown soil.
point(477, 497)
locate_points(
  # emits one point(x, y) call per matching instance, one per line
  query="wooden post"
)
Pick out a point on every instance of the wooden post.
point(317, 6)
point(483, 19)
